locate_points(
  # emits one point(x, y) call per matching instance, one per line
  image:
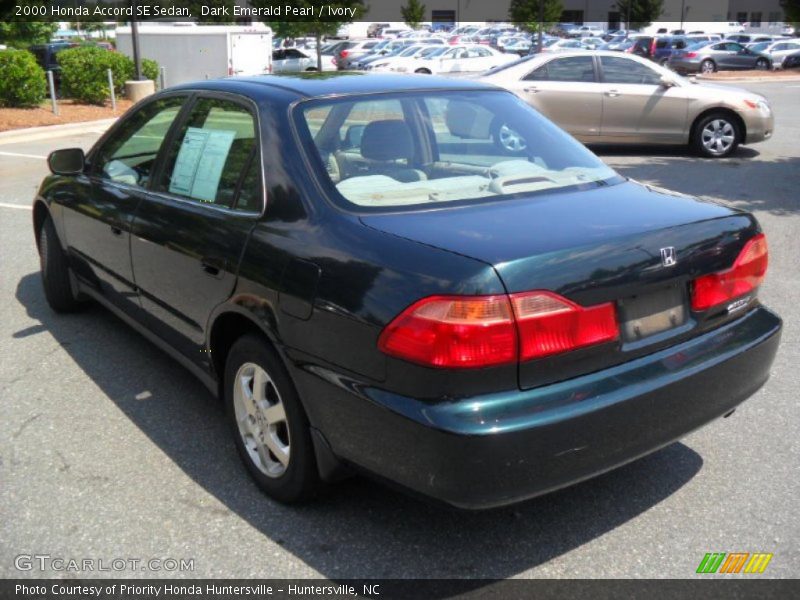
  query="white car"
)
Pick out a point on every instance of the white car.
point(297, 60)
point(587, 30)
point(408, 59)
point(563, 45)
point(778, 49)
point(463, 59)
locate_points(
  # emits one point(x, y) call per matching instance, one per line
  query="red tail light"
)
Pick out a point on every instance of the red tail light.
point(550, 324)
point(743, 277)
point(481, 331)
point(453, 331)
point(653, 47)
point(691, 55)
point(344, 53)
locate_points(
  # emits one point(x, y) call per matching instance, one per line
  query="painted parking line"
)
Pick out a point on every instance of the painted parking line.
point(19, 155)
point(17, 206)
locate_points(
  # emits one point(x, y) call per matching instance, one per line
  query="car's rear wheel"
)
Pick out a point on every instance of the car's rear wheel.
point(762, 64)
point(423, 71)
point(716, 135)
point(55, 271)
point(270, 428)
point(708, 66)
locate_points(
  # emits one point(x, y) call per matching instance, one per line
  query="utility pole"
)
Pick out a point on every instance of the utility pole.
point(541, 25)
point(137, 59)
point(683, 12)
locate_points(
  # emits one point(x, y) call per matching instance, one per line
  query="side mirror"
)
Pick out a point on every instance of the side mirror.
point(667, 82)
point(69, 161)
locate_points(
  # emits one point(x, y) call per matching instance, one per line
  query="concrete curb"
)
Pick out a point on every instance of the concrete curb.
point(787, 79)
point(31, 134)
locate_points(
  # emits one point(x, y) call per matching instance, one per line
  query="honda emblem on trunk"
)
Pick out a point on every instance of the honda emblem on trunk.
point(668, 258)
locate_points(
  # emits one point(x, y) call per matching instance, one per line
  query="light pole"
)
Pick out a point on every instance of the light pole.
point(683, 12)
point(541, 25)
point(137, 59)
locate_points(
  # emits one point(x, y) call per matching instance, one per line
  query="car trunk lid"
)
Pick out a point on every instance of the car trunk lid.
point(609, 244)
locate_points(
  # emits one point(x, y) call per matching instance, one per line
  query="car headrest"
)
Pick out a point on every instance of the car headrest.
point(463, 120)
point(387, 140)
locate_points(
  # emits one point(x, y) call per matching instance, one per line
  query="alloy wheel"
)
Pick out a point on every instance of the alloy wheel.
point(511, 140)
point(718, 136)
point(707, 67)
point(261, 418)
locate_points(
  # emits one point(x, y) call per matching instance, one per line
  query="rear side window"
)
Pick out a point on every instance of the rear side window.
point(129, 155)
point(574, 68)
point(211, 151)
point(623, 70)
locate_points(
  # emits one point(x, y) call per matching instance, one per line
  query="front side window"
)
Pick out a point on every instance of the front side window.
point(425, 148)
point(624, 70)
point(130, 154)
point(211, 151)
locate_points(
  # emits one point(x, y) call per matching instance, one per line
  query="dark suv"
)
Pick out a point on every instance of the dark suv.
point(46, 56)
point(664, 45)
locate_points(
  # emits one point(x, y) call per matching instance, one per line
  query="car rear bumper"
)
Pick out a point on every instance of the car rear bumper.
point(497, 449)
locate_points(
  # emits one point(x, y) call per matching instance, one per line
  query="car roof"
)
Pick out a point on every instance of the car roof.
point(332, 83)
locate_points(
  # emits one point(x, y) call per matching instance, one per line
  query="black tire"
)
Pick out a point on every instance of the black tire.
point(700, 126)
point(708, 66)
point(762, 64)
point(423, 71)
point(300, 479)
point(55, 271)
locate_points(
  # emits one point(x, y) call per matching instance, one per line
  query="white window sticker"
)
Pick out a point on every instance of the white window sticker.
point(200, 161)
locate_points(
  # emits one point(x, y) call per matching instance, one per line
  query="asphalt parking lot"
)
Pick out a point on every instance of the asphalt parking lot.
point(108, 449)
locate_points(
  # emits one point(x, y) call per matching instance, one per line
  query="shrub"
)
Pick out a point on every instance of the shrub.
point(84, 72)
point(150, 69)
point(22, 81)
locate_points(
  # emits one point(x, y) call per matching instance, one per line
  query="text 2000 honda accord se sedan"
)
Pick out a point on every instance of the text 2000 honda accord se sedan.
point(372, 281)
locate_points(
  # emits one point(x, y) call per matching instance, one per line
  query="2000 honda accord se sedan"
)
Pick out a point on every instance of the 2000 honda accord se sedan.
point(372, 283)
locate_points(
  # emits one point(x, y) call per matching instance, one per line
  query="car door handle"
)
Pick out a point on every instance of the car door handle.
point(612, 93)
point(530, 90)
point(116, 230)
point(213, 266)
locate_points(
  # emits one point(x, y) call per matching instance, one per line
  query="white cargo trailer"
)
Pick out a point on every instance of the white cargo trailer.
point(195, 52)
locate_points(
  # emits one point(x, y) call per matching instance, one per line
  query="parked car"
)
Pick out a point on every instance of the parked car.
point(750, 38)
point(708, 57)
point(46, 56)
point(371, 284)
point(462, 59)
point(607, 97)
point(792, 61)
point(664, 46)
point(295, 60)
point(558, 45)
point(352, 51)
point(776, 50)
point(586, 31)
point(407, 60)
point(591, 43)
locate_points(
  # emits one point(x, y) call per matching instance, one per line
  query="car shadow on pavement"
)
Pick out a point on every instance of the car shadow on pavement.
point(357, 528)
point(750, 183)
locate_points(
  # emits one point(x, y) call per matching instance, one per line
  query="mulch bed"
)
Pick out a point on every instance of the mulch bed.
point(777, 75)
point(69, 112)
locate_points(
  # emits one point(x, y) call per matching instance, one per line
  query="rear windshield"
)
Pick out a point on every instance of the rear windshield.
point(388, 151)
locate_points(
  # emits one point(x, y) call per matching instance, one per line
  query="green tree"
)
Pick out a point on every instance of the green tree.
point(639, 13)
point(531, 14)
point(22, 34)
point(413, 13)
point(791, 9)
point(317, 26)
